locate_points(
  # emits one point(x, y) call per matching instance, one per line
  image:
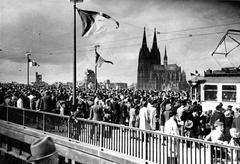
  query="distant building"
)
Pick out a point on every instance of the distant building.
point(39, 82)
point(154, 75)
point(69, 84)
point(107, 84)
point(38, 77)
point(132, 86)
point(119, 85)
point(90, 79)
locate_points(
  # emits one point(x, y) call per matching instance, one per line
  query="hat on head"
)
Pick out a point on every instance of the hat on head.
point(188, 124)
point(42, 148)
point(218, 123)
point(237, 109)
point(218, 107)
point(229, 106)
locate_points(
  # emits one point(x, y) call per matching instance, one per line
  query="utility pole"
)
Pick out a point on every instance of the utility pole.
point(96, 46)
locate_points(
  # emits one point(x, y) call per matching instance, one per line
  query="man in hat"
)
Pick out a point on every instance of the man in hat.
point(218, 115)
point(171, 128)
point(228, 122)
point(43, 151)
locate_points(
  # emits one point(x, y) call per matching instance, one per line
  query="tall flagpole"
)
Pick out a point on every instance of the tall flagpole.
point(74, 54)
point(96, 75)
point(74, 50)
point(96, 46)
point(27, 54)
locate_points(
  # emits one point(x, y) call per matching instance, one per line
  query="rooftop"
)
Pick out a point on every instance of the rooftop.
point(224, 72)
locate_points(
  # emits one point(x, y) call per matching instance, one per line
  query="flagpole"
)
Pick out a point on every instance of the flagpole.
point(74, 54)
point(27, 54)
point(96, 46)
point(96, 76)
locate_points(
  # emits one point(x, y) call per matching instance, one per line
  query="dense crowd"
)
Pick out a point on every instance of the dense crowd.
point(167, 111)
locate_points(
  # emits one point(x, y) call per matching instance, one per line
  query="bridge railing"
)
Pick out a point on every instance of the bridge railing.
point(148, 146)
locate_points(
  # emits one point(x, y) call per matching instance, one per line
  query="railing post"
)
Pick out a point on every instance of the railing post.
point(68, 128)
point(23, 117)
point(101, 135)
point(44, 121)
point(7, 114)
point(145, 146)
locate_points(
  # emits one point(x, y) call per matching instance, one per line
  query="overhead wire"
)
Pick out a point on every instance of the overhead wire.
point(88, 48)
point(130, 45)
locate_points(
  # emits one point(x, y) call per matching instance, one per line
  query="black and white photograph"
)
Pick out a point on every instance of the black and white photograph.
point(119, 81)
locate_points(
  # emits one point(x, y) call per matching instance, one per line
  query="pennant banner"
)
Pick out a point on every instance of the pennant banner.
point(100, 60)
point(93, 22)
point(33, 63)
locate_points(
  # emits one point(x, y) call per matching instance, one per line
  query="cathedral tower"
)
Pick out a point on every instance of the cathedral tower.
point(143, 64)
point(155, 53)
point(165, 58)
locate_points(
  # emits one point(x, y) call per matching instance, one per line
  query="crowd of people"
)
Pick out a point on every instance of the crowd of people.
point(167, 111)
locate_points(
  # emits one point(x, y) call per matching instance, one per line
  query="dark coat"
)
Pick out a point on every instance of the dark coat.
point(116, 112)
point(96, 113)
point(46, 103)
point(217, 115)
point(228, 126)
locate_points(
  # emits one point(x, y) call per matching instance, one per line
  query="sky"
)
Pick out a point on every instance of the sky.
point(190, 30)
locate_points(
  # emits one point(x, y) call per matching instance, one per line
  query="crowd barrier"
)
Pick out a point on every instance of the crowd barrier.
point(149, 146)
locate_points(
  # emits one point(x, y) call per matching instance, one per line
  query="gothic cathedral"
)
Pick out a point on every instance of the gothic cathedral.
point(153, 75)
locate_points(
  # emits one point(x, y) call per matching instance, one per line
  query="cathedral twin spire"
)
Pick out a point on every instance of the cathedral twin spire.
point(144, 42)
point(165, 59)
point(155, 56)
point(154, 45)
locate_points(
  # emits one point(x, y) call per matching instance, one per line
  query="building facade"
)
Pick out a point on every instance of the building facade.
point(152, 74)
point(90, 79)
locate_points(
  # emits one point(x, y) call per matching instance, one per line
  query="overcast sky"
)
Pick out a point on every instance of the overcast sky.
point(46, 29)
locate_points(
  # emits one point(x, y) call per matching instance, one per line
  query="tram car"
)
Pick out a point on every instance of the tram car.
point(218, 86)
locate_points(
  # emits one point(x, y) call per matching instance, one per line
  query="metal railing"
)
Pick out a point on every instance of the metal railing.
point(148, 146)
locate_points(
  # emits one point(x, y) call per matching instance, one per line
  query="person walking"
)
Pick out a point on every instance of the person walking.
point(96, 114)
point(217, 115)
point(152, 114)
point(144, 117)
point(171, 128)
point(228, 124)
point(132, 115)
